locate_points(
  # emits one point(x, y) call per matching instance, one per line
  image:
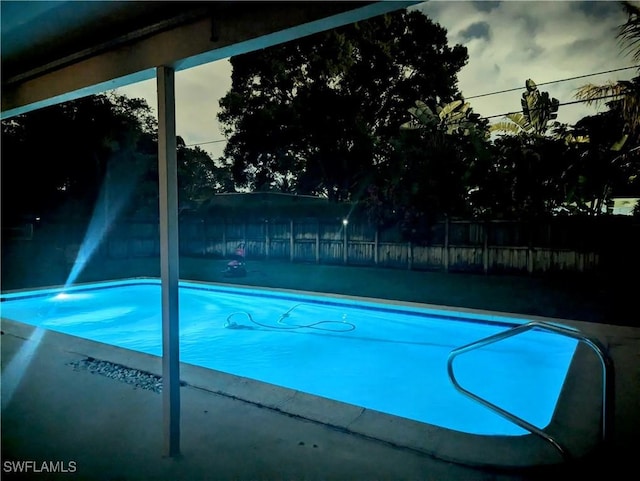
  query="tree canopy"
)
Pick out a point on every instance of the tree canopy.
point(60, 161)
point(319, 115)
point(56, 159)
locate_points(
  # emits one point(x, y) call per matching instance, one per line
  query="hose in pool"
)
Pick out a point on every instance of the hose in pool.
point(344, 325)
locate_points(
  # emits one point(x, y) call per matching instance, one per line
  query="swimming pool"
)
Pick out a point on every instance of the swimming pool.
point(382, 356)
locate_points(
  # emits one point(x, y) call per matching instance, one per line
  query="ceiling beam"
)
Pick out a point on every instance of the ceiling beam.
point(233, 29)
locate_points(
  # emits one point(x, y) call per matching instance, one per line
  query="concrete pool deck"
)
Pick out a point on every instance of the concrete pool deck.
point(240, 429)
point(113, 431)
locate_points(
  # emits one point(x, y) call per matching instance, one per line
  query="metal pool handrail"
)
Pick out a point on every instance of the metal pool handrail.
point(607, 380)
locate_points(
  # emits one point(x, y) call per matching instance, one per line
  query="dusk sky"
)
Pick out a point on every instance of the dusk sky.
point(508, 42)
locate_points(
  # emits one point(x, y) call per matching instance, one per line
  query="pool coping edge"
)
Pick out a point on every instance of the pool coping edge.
point(452, 446)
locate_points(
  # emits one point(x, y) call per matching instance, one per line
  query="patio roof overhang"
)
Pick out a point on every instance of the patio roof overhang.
point(60, 50)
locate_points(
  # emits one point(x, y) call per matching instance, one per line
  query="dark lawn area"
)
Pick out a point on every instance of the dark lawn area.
point(602, 299)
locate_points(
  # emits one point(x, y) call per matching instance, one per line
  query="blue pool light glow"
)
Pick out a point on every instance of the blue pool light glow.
point(13, 372)
point(105, 212)
point(381, 356)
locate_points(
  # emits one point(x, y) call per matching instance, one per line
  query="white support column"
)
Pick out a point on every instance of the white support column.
point(169, 259)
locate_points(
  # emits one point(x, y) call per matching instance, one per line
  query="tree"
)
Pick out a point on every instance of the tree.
point(527, 174)
point(57, 158)
point(61, 161)
point(622, 95)
point(432, 171)
point(600, 170)
point(537, 107)
point(319, 115)
point(199, 178)
point(526, 177)
point(537, 110)
point(451, 118)
point(429, 176)
point(621, 154)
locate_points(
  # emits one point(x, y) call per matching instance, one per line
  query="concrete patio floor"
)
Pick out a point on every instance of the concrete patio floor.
point(105, 429)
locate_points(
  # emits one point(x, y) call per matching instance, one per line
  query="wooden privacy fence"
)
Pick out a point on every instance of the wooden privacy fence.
point(453, 246)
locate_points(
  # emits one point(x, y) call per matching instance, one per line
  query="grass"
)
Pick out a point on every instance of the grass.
point(579, 298)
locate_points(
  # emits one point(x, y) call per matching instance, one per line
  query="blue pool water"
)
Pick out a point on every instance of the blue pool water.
point(381, 356)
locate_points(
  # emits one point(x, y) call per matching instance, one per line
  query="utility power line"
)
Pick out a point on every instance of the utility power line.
point(551, 82)
point(208, 142)
point(501, 92)
point(559, 105)
point(481, 117)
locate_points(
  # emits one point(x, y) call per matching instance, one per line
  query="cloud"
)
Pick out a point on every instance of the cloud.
point(545, 41)
point(485, 6)
point(198, 92)
point(595, 9)
point(480, 30)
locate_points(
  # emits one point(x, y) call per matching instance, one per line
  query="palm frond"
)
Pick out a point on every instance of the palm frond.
point(422, 112)
point(629, 32)
point(617, 146)
point(410, 126)
point(576, 139)
point(516, 124)
point(448, 108)
point(506, 127)
point(421, 105)
point(520, 120)
point(595, 94)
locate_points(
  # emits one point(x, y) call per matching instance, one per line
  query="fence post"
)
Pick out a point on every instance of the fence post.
point(318, 241)
point(267, 239)
point(375, 247)
point(485, 247)
point(203, 224)
point(291, 242)
point(345, 247)
point(445, 254)
point(224, 238)
point(530, 249)
point(120, 242)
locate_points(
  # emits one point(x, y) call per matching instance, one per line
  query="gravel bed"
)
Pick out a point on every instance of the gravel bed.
point(138, 379)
